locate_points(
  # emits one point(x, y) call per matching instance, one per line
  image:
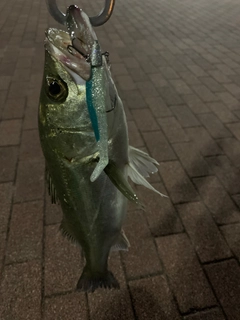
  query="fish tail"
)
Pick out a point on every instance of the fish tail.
point(90, 281)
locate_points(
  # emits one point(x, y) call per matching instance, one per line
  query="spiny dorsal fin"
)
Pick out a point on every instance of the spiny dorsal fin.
point(51, 188)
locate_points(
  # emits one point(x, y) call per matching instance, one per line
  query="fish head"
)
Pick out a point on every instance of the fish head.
point(63, 105)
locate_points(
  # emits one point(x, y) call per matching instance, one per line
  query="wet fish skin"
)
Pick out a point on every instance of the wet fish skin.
point(93, 212)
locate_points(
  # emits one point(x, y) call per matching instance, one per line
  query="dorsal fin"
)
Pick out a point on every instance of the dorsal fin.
point(51, 188)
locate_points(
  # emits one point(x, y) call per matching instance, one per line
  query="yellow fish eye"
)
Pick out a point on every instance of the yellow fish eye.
point(56, 89)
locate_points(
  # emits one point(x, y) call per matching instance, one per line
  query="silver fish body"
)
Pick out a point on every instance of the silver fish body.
point(93, 211)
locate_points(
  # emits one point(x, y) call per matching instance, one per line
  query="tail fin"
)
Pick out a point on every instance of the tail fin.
point(89, 282)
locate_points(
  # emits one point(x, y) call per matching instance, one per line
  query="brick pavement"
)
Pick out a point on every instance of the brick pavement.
point(177, 68)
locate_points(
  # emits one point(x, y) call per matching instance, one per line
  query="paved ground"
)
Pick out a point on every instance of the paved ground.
point(177, 67)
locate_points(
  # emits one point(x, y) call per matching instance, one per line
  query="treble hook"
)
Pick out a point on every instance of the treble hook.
point(96, 21)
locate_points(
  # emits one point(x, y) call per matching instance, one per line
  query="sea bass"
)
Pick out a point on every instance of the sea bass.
point(72, 112)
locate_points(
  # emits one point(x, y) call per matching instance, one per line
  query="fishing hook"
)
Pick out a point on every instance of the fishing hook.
point(96, 21)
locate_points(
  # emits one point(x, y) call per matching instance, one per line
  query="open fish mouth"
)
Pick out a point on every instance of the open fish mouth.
point(73, 48)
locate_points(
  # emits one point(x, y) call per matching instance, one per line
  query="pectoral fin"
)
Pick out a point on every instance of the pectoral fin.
point(120, 182)
point(139, 167)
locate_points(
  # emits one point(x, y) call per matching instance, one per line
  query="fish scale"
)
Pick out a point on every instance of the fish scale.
point(93, 211)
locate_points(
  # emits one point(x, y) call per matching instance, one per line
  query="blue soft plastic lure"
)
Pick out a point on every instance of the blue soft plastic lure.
point(91, 109)
point(98, 98)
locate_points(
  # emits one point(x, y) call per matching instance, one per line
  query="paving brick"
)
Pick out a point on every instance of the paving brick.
point(134, 99)
point(30, 120)
point(30, 180)
point(185, 116)
point(198, 71)
point(144, 119)
point(168, 73)
point(7, 69)
point(204, 234)
point(212, 314)
point(3, 241)
point(10, 132)
point(228, 289)
point(219, 76)
point(125, 83)
point(195, 104)
point(185, 274)
point(222, 112)
point(189, 78)
point(4, 82)
point(6, 191)
point(233, 89)
point(25, 236)
point(142, 258)
point(147, 89)
point(225, 69)
point(204, 93)
point(14, 108)
point(210, 58)
point(226, 172)
point(158, 146)
point(231, 233)
point(21, 291)
point(170, 96)
point(158, 80)
point(212, 84)
point(158, 107)
point(152, 299)
point(131, 62)
point(135, 138)
point(217, 200)
point(230, 147)
point(191, 159)
point(112, 304)
point(53, 212)
point(177, 182)
point(18, 89)
point(231, 102)
point(63, 263)
point(235, 129)
point(138, 74)
point(119, 69)
point(22, 74)
point(160, 213)
point(180, 86)
point(172, 129)
point(8, 160)
point(214, 126)
point(30, 148)
point(66, 307)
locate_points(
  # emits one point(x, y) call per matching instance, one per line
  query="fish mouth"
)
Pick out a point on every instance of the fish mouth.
point(73, 48)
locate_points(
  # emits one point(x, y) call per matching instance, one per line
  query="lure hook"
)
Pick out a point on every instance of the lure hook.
point(96, 21)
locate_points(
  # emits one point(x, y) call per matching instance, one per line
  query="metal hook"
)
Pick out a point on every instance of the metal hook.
point(96, 21)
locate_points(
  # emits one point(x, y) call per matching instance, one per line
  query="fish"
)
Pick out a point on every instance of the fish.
point(77, 88)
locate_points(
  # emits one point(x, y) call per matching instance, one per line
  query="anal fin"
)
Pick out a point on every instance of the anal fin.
point(121, 243)
point(66, 232)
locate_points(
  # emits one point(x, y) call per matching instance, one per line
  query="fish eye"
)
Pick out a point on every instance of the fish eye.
point(56, 89)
